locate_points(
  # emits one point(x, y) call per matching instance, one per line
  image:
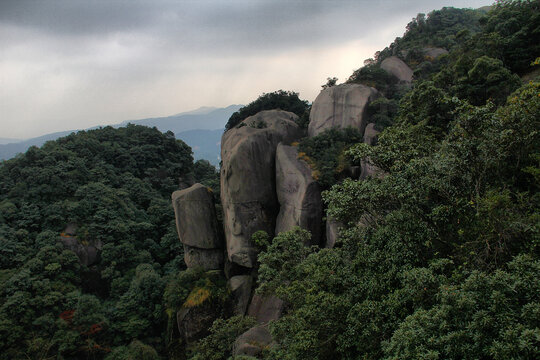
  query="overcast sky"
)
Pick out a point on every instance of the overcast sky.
point(75, 64)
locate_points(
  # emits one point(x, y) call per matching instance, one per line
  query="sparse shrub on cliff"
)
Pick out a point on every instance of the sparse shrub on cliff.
point(322, 153)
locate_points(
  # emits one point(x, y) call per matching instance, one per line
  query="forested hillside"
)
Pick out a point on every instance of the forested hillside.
point(87, 242)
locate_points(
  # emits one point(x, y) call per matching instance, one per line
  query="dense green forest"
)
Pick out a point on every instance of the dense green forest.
point(438, 258)
point(107, 189)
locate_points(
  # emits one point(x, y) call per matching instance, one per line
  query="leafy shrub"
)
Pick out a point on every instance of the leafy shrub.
point(281, 99)
point(324, 153)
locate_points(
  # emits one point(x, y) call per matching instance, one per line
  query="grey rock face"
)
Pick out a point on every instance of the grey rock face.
point(253, 341)
point(398, 68)
point(299, 195)
point(332, 232)
point(240, 286)
point(266, 308)
point(196, 220)
point(248, 179)
point(433, 52)
point(370, 137)
point(370, 134)
point(193, 323)
point(206, 259)
point(341, 106)
point(87, 254)
point(197, 227)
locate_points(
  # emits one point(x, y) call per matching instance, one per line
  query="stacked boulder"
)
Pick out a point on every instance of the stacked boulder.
point(248, 190)
point(197, 227)
point(264, 186)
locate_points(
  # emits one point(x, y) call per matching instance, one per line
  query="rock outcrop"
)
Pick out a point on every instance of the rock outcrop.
point(248, 191)
point(299, 195)
point(253, 341)
point(370, 134)
point(194, 322)
point(332, 232)
point(341, 106)
point(87, 252)
point(197, 227)
point(266, 308)
point(240, 286)
point(370, 137)
point(398, 68)
point(434, 52)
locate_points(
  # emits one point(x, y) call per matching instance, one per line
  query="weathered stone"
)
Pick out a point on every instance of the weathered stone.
point(88, 254)
point(240, 286)
point(398, 68)
point(332, 232)
point(266, 308)
point(207, 259)
point(86, 251)
point(299, 195)
point(196, 220)
point(253, 341)
point(341, 106)
point(370, 134)
point(370, 137)
point(434, 52)
point(194, 322)
point(248, 179)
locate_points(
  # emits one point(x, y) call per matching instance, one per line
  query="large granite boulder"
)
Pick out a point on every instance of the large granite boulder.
point(194, 322)
point(88, 252)
point(240, 286)
point(370, 134)
point(341, 106)
point(332, 232)
point(206, 259)
point(266, 308)
point(370, 137)
point(197, 227)
point(253, 341)
point(299, 195)
point(196, 220)
point(434, 52)
point(248, 191)
point(398, 68)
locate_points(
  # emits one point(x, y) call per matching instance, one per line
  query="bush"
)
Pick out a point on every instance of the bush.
point(281, 99)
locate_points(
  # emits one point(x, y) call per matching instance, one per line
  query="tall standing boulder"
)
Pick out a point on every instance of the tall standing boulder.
point(341, 106)
point(197, 227)
point(398, 68)
point(248, 192)
point(299, 195)
point(370, 138)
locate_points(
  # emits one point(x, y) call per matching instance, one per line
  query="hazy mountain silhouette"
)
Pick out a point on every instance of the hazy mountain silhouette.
point(200, 128)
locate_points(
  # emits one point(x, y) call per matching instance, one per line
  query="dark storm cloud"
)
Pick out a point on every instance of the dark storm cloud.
point(208, 26)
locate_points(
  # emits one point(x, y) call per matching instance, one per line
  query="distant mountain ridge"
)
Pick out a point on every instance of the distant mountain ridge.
point(8, 140)
point(200, 127)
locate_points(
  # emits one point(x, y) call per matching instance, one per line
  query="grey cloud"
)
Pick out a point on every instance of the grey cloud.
point(210, 26)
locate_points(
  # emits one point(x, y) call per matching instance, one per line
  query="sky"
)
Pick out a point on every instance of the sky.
point(74, 64)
